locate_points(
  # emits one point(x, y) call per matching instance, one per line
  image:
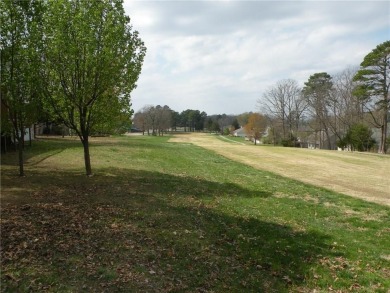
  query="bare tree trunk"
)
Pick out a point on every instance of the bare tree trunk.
point(328, 139)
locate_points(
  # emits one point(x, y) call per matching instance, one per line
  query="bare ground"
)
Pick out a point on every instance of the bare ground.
point(362, 175)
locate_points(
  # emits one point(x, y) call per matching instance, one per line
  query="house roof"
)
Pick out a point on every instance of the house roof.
point(240, 131)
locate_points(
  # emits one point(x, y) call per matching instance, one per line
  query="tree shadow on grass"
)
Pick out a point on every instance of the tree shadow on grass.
point(46, 147)
point(43, 147)
point(145, 231)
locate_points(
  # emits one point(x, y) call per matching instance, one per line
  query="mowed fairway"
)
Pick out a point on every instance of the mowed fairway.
point(165, 216)
point(362, 175)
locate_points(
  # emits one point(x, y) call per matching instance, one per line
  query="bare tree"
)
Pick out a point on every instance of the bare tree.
point(154, 118)
point(163, 118)
point(139, 121)
point(284, 104)
point(344, 108)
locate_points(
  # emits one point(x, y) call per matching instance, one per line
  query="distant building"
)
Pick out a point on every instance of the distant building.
point(239, 132)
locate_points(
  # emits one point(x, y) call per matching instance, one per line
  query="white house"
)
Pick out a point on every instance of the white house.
point(239, 132)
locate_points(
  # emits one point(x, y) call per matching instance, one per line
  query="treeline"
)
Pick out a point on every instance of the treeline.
point(157, 120)
point(334, 111)
point(321, 112)
point(67, 61)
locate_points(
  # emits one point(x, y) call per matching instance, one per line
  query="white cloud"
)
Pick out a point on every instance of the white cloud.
point(220, 56)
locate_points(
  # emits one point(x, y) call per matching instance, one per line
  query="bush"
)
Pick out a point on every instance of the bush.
point(359, 136)
point(226, 131)
point(290, 142)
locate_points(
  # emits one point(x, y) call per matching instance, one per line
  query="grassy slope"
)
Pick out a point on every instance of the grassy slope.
point(168, 217)
point(359, 175)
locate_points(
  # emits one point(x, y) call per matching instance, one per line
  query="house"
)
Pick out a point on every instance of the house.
point(239, 132)
point(316, 140)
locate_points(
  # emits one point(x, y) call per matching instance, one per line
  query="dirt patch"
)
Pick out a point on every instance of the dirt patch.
point(356, 174)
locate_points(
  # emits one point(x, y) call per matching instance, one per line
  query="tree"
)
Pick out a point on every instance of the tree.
point(164, 116)
point(317, 92)
point(150, 118)
point(344, 107)
point(140, 121)
point(374, 83)
point(211, 124)
point(19, 43)
point(118, 124)
point(91, 62)
point(193, 120)
point(175, 119)
point(243, 118)
point(235, 124)
point(284, 104)
point(358, 137)
point(224, 121)
point(257, 124)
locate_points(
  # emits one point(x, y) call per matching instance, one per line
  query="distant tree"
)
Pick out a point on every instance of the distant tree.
point(193, 120)
point(345, 108)
point(140, 121)
point(159, 120)
point(92, 60)
point(242, 119)
point(211, 124)
point(374, 83)
point(164, 116)
point(175, 119)
point(285, 104)
point(235, 124)
point(186, 120)
point(359, 137)
point(257, 124)
point(20, 40)
point(201, 120)
point(224, 121)
point(151, 118)
point(317, 92)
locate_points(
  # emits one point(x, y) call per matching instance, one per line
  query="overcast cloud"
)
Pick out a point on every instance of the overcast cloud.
point(220, 56)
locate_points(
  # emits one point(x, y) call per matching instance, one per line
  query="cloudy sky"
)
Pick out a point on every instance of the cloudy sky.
point(220, 56)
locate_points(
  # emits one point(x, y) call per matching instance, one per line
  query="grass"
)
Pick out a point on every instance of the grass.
point(174, 217)
point(356, 174)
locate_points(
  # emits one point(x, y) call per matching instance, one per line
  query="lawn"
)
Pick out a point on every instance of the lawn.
point(163, 216)
point(363, 175)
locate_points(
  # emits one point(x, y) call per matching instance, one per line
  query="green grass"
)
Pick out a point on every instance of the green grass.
point(168, 217)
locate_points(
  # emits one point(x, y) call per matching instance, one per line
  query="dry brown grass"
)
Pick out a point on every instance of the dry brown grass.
point(362, 175)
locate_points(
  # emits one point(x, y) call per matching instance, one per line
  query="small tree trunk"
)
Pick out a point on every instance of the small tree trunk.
point(5, 143)
point(382, 146)
point(87, 159)
point(20, 151)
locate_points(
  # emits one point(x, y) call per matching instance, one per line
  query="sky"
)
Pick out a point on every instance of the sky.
point(221, 56)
